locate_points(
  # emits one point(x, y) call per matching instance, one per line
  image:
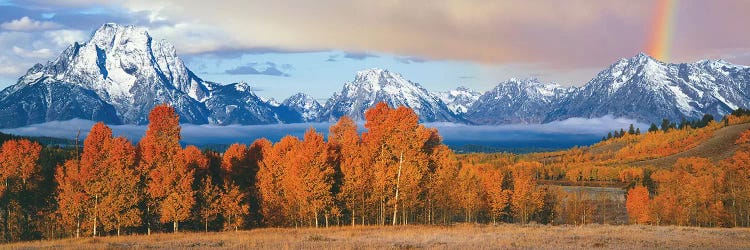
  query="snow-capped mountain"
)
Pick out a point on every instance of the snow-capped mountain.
point(517, 101)
point(375, 85)
point(237, 104)
point(118, 76)
point(127, 69)
point(305, 105)
point(121, 73)
point(645, 89)
point(459, 100)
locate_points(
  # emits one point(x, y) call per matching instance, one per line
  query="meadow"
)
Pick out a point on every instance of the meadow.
point(461, 236)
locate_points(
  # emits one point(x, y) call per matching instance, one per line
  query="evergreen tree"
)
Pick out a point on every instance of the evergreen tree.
point(653, 128)
point(665, 125)
point(631, 130)
point(638, 131)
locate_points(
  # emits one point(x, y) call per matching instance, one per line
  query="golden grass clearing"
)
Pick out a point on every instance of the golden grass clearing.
point(430, 237)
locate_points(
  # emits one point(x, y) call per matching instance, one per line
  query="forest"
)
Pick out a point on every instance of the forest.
point(396, 172)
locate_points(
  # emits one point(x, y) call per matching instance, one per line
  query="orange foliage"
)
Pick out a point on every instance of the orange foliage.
point(18, 158)
point(527, 198)
point(637, 203)
point(170, 180)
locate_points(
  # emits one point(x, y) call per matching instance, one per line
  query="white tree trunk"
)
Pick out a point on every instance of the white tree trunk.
point(398, 181)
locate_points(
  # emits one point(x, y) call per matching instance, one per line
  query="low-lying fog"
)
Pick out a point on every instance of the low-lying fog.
point(554, 135)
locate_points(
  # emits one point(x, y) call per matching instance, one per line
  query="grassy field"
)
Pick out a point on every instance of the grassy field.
point(431, 237)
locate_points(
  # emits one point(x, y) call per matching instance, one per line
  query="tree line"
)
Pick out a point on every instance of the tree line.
point(396, 172)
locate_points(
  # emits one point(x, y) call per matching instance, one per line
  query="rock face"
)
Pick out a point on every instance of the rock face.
point(517, 101)
point(647, 90)
point(375, 85)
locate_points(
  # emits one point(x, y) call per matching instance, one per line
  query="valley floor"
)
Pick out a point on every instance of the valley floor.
point(431, 237)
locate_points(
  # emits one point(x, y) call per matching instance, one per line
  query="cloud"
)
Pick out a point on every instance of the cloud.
point(27, 24)
point(358, 55)
point(65, 37)
point(409, 59)
point(560, 134)
point(267, 68)
point(38, 53)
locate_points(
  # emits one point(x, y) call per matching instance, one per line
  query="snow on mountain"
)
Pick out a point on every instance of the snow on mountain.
point(128, 70)
point(648, 90)
point(237, 104)
point(517, 101)
point(375, 85)
point(305, 105)
point(459, 100)
point(118, 76)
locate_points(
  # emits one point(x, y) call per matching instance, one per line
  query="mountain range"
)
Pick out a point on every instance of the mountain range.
point(121, 73)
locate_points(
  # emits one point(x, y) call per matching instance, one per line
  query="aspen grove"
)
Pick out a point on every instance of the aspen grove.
point(395, 172)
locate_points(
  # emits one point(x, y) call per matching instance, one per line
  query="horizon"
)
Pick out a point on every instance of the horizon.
point(278, 68)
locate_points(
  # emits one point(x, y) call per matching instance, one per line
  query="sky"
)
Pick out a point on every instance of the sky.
point(283, 47)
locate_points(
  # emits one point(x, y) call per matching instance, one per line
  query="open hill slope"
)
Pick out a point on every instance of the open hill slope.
point(505, 236)
point(718, 147)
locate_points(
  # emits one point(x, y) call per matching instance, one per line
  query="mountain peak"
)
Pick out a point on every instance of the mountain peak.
point(375, 75)
point(306, 106)
point(642, 57)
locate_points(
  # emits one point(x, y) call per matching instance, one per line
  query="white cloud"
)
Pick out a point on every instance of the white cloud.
point(9, 70)
point(65, 37)
point(38, 53)
point(28, 24)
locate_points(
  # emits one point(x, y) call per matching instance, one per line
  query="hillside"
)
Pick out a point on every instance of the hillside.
point(503, 236)
point(717, 148)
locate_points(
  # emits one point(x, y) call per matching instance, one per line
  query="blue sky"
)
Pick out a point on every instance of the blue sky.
point(284, 47)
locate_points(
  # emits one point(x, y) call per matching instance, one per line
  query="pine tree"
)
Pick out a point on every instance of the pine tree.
point(631, 130)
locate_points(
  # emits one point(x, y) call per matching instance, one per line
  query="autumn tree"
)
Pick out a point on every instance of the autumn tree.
point(169, 177)
point(209, 201)
point(269, 179)
point(71, 199)
point(637, 203)
point(527, 198)
point(469, 191)
point(398, 156)
point(119, 202)
point(441, 191)
point(309, 178)
point(18, 159)
point(347, 156)
point(232, 205)
point(497, 197)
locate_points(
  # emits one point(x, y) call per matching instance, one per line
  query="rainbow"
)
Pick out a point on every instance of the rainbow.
point(660, 38)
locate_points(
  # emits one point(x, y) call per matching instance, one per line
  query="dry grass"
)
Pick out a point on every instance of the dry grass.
point(437, 237)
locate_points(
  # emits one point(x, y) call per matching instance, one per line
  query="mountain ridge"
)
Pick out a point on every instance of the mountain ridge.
point(122, 72)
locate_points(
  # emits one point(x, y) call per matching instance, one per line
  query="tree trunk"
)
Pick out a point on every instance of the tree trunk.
point(206, 224)
point(96, 201)
point(326, 217)
point(175, 226)
point(78, 228)
point(316, 218)
point(398, 181)
point(148, 218)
